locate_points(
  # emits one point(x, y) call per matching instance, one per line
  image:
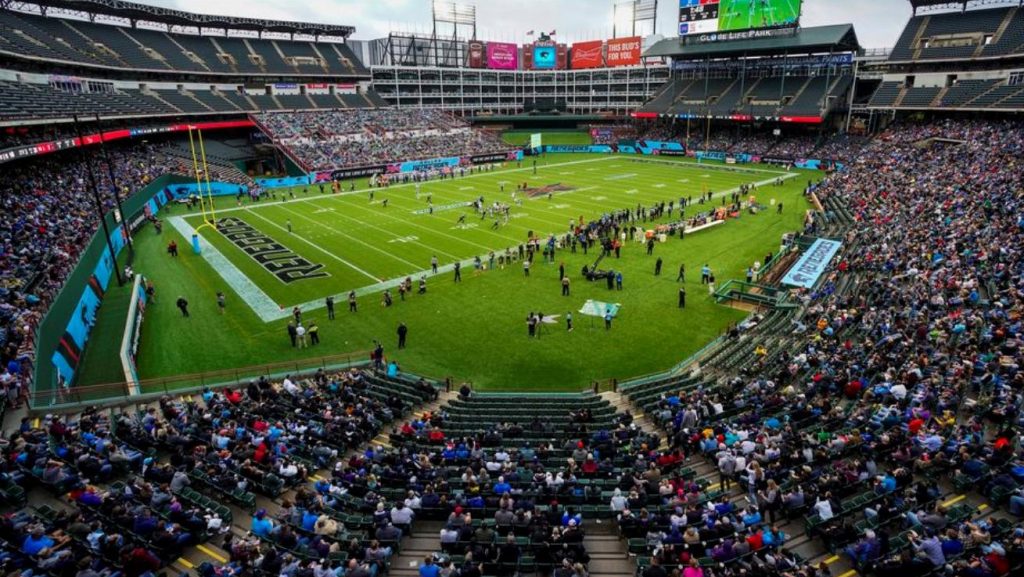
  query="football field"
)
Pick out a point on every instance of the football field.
point(369, 240)
point(474, 330)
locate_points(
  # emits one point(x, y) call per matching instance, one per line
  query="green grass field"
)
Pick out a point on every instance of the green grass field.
point(553, 137)
point(474, 330)
point(746, 14)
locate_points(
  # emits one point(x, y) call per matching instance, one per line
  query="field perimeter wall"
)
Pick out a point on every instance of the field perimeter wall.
point(64, 332)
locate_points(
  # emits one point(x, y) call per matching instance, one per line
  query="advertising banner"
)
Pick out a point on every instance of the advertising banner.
point(283, 181)
point(414, 165)
point(509, 156)
point(213, 188)
point(812, 264)
point(475, 54)
point(599, 148)
point(431, 164)
point(587, 54)
point(545, 57)
point(536, 140)
point(42, 148)
point(624, 51)
point(502, 56)
point(352, 172)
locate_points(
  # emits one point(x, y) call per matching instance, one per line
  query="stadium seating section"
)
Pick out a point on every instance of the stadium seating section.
point(770, 96)
point(992, 94)
point(30, 101)
point(973, 33)
point(110, 46)
point(368, 136)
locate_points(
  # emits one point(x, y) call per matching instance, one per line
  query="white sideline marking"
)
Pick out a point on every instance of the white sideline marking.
point(250, 293)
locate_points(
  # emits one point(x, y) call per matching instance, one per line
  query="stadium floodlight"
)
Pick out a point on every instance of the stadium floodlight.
point(626, 14)
point(454, 12)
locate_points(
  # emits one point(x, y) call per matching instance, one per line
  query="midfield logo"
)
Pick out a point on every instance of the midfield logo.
point(276, 258)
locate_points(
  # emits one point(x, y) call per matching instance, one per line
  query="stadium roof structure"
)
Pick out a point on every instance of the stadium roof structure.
point(135, 11)
point(959, 4)
point(834, 38)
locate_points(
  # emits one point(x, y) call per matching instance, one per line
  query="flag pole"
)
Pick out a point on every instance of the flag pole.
point(99, 203)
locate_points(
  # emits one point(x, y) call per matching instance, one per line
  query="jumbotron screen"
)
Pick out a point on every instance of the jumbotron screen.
point(711, 16)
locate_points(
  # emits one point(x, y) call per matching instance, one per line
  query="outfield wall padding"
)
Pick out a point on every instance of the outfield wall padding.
point(64, 332)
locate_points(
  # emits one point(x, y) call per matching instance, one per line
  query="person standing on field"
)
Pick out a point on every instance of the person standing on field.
point(352, 302)
point(330, 308)
point(221, 302)
point(402, 332)
point(293, 333)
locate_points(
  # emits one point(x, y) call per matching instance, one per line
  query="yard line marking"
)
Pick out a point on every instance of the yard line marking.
point(660, 185)
point(359, 191)
point(212, 553)
point(684, 180)
point(314, 245)
point(954, 500)
point(420, 226)
point(622, 176)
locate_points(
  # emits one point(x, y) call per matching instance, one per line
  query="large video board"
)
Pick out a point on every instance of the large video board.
point(713, 16)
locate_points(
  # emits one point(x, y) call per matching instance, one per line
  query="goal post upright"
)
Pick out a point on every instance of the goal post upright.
point(199, 168)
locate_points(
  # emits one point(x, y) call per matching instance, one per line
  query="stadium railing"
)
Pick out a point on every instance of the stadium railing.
point(118, 392)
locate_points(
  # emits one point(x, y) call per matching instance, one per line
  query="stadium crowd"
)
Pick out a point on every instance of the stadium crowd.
point(337, 139)
point(47, 217)
point(900, 371)
point(904, 368)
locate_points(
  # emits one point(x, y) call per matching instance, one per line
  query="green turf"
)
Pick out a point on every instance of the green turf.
point(101, 362)
point(747, 14)
point(566, 137)
point(474, 330)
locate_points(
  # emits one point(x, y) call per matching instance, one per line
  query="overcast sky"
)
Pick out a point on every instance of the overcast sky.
point(878, 22)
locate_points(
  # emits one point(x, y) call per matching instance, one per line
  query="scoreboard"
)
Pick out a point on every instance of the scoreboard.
point(718, 16)
point(698, 16)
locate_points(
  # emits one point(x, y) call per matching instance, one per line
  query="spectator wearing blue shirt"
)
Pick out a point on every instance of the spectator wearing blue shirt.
point(36, 541)
point(751, 516)
point(261, 525)
point(502, 487)
point(428, 568)
point(309, 520)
